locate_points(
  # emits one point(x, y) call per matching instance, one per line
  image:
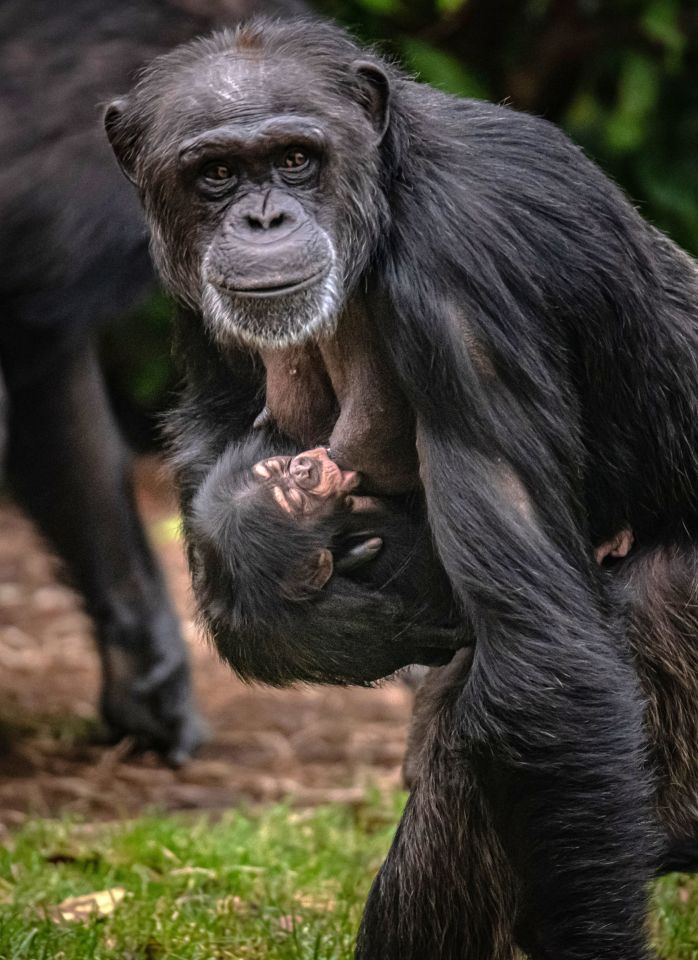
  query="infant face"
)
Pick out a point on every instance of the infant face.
point(306, 484)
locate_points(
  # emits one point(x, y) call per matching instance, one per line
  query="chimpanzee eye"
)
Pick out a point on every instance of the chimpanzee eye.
point(295, 159)
point(295, 497)
point(217, 172)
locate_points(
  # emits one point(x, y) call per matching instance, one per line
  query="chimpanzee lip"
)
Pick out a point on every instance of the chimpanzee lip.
point(277, 290)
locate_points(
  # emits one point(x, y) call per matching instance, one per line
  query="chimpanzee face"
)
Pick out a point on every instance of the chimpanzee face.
point(308, 484)
point(258, 180)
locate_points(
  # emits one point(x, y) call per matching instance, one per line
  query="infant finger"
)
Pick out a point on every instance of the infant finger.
point(362, 504)
point(359, 555)
point(263, 419)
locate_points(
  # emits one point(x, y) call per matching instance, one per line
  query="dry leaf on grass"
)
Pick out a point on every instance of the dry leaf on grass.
point(318, 902)
point(234, 904)
point(288, 922)
point(79, 909)
point(193, 872)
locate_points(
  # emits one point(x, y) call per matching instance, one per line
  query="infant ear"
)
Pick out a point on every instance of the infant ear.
point(309, 577)
point(320, 569)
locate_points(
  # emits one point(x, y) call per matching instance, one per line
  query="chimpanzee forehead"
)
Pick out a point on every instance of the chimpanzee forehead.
point(245, 89)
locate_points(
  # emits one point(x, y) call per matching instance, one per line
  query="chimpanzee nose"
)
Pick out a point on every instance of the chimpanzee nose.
point(302, 468)
point(269, 216)
point(265, 221)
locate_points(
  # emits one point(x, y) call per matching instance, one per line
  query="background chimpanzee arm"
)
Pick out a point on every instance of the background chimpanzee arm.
point(348, 632)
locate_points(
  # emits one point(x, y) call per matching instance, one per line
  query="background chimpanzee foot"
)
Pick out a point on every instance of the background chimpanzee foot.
point(71, 471)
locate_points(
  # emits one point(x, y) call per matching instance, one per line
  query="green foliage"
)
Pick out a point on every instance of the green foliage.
point(137, 353)
point(441, 70)
point(450, 6)
point(383, 7)
point(638, 92)
point(661, 21)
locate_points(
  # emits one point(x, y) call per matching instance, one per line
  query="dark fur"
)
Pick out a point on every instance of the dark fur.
point(73, 254)
point(546, 339)
point(268, 551)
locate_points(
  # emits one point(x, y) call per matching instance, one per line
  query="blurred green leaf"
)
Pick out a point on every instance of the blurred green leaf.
point(450, 6)
point(638, 91)
point(442, 70)
point(660, 22)
point(584, 112)
point(382, 7)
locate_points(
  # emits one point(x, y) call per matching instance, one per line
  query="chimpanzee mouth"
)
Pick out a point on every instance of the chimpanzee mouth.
point(272, 316)
point(273, 290)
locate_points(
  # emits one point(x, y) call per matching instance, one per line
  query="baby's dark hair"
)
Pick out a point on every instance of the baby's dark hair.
point(234, 515)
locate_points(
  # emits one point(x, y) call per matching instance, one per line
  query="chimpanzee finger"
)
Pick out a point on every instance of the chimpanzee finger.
point(263, 419)
point(359, 555)
point(362, 504)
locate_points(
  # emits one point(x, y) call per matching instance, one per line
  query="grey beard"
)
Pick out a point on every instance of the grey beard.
point(272, 322)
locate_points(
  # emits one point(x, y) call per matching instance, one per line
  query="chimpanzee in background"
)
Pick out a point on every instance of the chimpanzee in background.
point(544, 341)
point(73, 254)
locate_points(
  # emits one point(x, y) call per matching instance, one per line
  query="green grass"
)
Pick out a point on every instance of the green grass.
point(265, 885)
point(273, 884)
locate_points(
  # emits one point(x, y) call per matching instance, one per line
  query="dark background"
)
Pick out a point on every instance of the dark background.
point(621, 76)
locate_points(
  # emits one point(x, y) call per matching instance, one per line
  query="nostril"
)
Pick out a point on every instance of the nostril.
point(257, 221)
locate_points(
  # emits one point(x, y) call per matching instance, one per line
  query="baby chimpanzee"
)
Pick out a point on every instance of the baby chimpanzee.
point(312, 487)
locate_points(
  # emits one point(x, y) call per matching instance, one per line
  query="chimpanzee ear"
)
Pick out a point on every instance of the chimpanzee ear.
point(375, 94)
point(321, 567)
point(122, 137)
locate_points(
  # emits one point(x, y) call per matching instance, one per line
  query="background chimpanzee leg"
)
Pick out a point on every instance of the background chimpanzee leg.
point(72, 473)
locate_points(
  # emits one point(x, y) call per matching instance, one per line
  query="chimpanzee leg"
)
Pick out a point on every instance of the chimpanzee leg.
point(658, 584)
point(446, 890)
point(71, 471)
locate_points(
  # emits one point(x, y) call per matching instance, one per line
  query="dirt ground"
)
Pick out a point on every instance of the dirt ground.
point(310, 745)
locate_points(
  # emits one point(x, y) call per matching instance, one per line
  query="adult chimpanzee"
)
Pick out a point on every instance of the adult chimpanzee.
point(73, 254)
point(544, 343)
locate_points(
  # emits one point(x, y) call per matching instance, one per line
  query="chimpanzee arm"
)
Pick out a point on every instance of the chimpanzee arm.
point(550, 713)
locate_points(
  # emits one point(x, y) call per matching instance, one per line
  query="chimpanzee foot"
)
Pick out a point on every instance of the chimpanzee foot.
point(154, 707)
